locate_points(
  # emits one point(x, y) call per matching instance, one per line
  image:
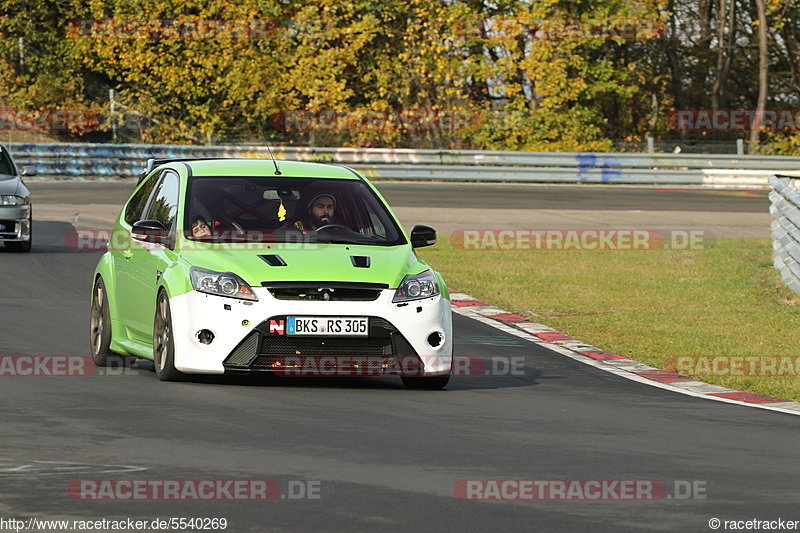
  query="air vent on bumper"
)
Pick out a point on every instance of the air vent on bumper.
point(247, 350)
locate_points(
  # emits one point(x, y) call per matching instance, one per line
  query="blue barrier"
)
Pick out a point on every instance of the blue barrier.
point(120, 161)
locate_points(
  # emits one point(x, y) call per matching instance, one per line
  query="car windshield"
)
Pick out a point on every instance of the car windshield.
point(285, 210)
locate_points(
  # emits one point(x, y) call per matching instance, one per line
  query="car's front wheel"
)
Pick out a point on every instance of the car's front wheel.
point(100, 325)
point(163, 342)
point(429, 383)
point(19, 247)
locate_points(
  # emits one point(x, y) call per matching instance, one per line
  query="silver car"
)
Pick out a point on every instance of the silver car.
point(16, 230)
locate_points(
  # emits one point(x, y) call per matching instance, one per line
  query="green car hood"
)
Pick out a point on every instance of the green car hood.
point(323, 262)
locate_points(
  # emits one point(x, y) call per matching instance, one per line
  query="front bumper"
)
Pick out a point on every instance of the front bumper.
point(15, 223)
point(243, 342)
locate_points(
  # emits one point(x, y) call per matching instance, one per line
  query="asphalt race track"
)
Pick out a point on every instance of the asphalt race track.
point(385, 458)
point(450, 207)
point(488, 195)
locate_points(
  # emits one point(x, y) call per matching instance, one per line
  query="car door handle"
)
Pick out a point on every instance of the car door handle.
point(127, 254)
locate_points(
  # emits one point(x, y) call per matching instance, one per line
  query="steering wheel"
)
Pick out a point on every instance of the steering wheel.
point(329, 226)
point(234, 225)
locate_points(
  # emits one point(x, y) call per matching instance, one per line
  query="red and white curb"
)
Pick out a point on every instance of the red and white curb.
point(619, 365)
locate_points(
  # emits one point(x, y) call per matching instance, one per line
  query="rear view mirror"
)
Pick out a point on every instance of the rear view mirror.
point(28, 170)
point(422, 236)
point(281, 194)
point(149, 231)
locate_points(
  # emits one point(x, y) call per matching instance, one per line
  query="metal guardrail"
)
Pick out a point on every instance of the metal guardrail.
point(81, 161)
point(785, 210)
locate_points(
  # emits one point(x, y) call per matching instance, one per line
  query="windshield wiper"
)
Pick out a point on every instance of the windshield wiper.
point(343, 240)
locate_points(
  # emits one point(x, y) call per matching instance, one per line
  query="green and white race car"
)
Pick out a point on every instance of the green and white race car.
point(235, 266)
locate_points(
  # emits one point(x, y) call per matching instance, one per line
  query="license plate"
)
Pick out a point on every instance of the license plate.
point(345, 326)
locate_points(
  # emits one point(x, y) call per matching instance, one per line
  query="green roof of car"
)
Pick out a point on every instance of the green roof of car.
point(266, 167)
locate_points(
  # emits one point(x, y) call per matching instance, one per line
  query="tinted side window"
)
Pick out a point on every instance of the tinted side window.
point(5, 163)
point(133, 213)
point(164, 204)
point(376, 227)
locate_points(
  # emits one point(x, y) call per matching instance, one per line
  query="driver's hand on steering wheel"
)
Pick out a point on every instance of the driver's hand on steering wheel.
point(333, 226)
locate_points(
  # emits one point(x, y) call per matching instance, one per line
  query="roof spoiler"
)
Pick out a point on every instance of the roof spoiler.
point(153, 163)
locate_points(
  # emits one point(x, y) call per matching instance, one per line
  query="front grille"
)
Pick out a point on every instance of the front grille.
point(8, 227)
point(271, 361)
point(324, 294)
point(326, 346)
point(326, 365)
point(325, 290)
point(385, 349)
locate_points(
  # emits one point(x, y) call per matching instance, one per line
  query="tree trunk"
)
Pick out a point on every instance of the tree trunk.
point(729, 46)
point(673, 54)
point(763, 67)
point(716, 89)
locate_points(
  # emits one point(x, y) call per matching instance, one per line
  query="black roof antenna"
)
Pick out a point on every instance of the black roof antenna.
point(277, 172)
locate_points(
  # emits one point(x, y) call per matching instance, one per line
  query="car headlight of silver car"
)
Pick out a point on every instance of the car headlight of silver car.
point(416, 287)
point(8, 199)
point(221, 284)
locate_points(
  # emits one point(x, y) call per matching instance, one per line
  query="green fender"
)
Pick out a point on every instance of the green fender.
point(442, 285)
point(175, 280)
point(105, 270)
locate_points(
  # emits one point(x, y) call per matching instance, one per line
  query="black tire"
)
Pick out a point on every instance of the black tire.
point(24, 246)
point(100, 326)
point(429, 383)
point(18, 247)
point(163, 342)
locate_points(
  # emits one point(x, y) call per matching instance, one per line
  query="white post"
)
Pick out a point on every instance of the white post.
point(21, 44)
point(113, 115)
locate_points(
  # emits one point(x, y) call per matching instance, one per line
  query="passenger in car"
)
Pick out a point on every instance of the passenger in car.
point(200, 227)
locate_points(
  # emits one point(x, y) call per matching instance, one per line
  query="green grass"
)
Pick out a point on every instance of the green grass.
point(725, 300)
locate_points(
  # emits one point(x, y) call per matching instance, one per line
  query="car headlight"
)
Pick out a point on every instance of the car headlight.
point(416, 287)
point(221, 284)
point(8, 199)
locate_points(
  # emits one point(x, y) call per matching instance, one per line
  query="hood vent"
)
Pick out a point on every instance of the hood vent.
point(273, 260)
point(360, 261)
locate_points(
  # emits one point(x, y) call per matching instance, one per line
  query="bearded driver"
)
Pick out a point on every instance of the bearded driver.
point(321, 210)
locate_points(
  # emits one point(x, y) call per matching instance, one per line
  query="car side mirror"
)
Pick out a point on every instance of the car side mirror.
point(149, 231)
point(28, 170)
point(422, 236)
